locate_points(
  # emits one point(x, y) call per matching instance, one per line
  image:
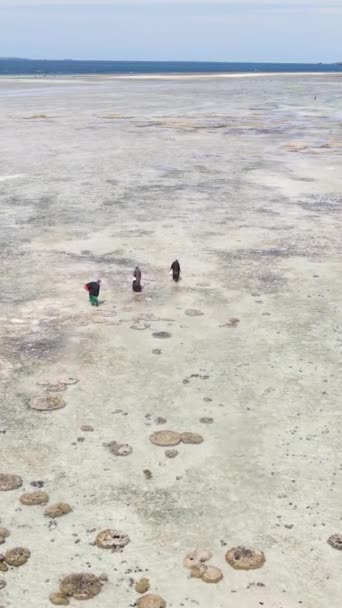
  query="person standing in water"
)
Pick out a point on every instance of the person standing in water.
point(93, 288)
point(175, 270)
point(136, 285)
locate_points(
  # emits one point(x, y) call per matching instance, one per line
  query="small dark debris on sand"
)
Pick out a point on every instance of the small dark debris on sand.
point(162, 335)
point(37, 484)
point(147, 473)
point(87, 428)
point(206, 420)
point(233, 322)
point(160, 420)
point(68, 380)
point(193, 312)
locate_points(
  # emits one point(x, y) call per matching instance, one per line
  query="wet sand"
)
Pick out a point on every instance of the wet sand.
point(241, 180)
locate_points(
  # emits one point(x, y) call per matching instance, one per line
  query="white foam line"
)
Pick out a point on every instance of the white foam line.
point(3, 178)
point(193, 76)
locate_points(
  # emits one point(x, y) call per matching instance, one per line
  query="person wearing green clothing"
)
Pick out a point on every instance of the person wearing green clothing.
point(93, 288)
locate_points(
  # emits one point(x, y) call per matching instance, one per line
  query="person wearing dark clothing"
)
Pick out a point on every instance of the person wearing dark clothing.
point(93, 289)
point(136, 285)
point(175, 270)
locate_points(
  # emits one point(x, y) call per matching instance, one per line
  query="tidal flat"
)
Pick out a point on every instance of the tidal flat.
point(241, 180)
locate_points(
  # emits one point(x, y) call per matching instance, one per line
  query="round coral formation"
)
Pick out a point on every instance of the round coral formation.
point(198, 571)
point(197, 558)
point(81, 586)
point(165, 438)
point(192, 438)
point(112, 539)
point(59, 599)
point(47, 403)
point(57, 510)
point(17, 556)
point(151, 601)
point(241, 558)
point(142, 586)
point(212, 574)
point(34, 498)
point(10, 482)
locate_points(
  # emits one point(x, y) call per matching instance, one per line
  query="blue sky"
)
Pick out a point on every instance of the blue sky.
point(219, 30)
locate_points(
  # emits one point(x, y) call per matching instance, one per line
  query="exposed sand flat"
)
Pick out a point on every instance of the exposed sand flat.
point(171, 76)
point(241, 179)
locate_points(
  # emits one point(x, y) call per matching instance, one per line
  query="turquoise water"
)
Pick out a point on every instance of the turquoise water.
point(33, 67)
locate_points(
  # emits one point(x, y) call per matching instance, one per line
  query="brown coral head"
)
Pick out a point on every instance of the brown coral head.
point(335, 541)
point(151, 601)
point(17, 556)
point(10, 482)
point(82, 586)
point(242, 558)
point(196, 558)
point(112, 539)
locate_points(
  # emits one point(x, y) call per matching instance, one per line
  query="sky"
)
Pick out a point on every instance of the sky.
point(162, 30)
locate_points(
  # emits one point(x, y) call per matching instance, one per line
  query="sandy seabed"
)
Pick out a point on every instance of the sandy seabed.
point(241, 180)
